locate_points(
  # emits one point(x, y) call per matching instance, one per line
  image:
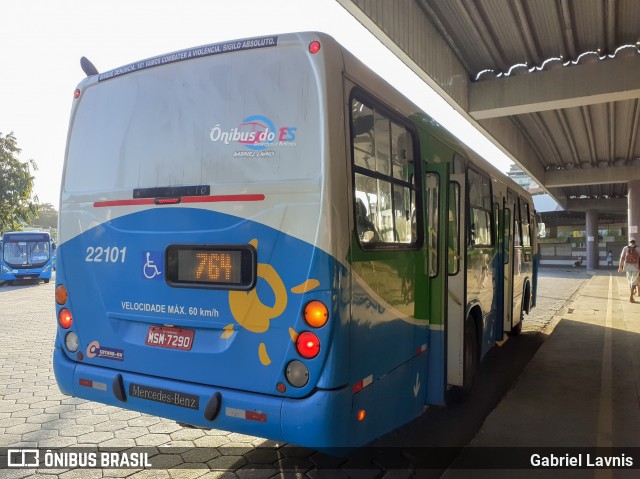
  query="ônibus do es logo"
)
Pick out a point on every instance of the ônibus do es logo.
point(257, 133)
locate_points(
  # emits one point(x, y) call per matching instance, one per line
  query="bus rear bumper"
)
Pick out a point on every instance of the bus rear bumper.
point(306, 422)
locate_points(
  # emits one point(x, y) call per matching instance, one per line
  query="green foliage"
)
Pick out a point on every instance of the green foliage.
point(46, 217)
point(16, 185)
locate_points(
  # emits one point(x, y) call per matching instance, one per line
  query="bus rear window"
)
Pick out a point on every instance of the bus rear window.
point(192, 123)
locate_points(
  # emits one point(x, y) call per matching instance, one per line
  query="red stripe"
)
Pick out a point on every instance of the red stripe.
point(143, 201)
point(186, 199)
point(216, 199)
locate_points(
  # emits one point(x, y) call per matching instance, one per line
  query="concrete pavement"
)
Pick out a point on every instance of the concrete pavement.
point(582, 388)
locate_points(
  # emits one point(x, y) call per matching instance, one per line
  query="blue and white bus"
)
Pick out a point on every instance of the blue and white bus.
point(263, 236)
point(27, 255)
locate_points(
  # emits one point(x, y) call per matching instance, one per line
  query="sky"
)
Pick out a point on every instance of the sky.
point(42, 42)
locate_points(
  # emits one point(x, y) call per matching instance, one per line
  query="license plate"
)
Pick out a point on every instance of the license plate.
point(26, 277)
point(172, 338)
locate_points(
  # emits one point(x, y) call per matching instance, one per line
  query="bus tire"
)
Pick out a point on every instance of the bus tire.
point(46, 280)
point(471, 353)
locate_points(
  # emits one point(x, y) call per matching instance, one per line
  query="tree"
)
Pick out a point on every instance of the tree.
point(16, 185)
point(46, 217)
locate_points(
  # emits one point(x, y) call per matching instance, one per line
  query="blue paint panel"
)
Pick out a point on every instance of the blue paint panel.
point(392, 401)
point(436, 379)
point(114, 303)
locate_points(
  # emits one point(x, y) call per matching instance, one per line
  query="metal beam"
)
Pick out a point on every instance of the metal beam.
point(564, 87)
point(608, 205)
point(592, 176)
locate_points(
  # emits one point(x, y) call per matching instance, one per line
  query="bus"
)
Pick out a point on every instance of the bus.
point(263, 236)
point(26, 255)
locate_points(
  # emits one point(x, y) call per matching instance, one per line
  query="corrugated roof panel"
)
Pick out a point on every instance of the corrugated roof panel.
point(544, 18)
point(577, 124)
point(626, 111)
point(502, 31)
point(589, 24)
point(627, 22)
point(599, 116)
point(535, 130)
point(460, 26)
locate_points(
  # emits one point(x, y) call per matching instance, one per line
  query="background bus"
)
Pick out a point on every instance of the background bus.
point(27, 255)
point(263, 236)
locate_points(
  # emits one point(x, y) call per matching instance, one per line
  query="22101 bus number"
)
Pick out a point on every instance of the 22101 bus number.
point(110, 254)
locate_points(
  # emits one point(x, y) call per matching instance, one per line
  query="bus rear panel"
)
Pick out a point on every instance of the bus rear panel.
point(195, 246)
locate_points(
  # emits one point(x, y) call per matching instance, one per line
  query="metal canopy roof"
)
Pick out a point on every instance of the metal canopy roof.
point(554, 82)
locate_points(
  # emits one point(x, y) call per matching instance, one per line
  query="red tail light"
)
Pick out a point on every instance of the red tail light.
point(167, 201)
point(308, 345)
point(65, 318)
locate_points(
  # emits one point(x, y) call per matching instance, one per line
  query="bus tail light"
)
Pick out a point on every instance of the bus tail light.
point(308, 345)
point(72, 342)
point(314, 47)
point(61, 294)
point(316, 314)
point(297, 374)
point(65, 318)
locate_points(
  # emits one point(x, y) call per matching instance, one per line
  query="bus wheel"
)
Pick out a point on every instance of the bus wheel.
point(470, 353)
point(46, 280)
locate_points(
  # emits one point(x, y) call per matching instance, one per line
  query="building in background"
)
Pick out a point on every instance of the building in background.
point(565, 239)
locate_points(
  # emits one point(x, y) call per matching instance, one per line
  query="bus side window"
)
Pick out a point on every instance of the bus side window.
point(480, 231)
point(507, 234)
point(384, 178)
point(454, 230)
point(432, 182)
point(524, 217)
point(366, 229)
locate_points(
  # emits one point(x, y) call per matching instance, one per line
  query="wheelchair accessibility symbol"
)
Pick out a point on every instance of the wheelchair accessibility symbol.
point(152, 265)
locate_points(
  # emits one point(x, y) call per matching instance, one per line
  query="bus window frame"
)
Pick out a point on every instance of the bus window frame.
point(414, 185)
point(433, 250)
point(491, 227)
point(455, 186)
